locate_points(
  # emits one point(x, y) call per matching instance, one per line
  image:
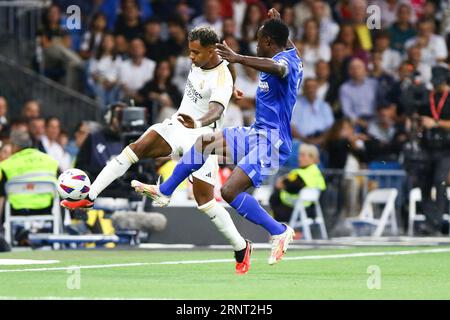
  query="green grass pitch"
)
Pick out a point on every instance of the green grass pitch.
point(424, 275)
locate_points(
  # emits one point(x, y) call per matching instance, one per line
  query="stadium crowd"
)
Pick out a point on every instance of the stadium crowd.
point(364, 91)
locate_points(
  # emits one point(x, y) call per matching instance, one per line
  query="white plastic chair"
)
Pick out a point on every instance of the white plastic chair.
point(386, 196)
point(34, 187)
point(299, 218)
point(415, 195)
point(262, 194)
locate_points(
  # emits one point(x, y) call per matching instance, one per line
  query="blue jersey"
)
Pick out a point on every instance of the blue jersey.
point(276, 97)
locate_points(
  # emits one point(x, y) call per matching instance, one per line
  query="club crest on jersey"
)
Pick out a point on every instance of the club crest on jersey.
point(264, 86)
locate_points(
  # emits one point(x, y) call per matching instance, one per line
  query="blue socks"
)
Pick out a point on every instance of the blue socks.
point(191, 161)
point(250, 209)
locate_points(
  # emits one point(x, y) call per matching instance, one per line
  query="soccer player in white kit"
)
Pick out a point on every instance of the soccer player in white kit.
point(208, 90)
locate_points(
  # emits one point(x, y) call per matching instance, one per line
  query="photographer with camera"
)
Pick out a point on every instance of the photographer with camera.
point(122, 124)
point(431, 128)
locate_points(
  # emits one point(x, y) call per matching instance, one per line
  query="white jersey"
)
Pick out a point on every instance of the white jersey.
point(204, 86)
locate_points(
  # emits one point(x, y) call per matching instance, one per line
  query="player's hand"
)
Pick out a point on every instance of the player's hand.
point(274, 14)
point(238, 94)
point(186, 120)
point(225, 52)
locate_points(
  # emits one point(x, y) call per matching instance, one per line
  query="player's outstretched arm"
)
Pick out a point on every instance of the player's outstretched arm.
point(261, 64)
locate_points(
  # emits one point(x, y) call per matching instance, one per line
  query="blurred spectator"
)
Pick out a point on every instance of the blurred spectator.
point(58, 59)
point(31, 109)
point(405, 75)
point(92, 39)
point(385, 80)
point(82, 130)
point(389, 9)
point(343, 10)
point(312, 49)
point(445, 22)
point(184, 12)
point(433, 46)
point(229, 28)
point(156, 48)
point(328, 29)
point(247, 82)
point(103, 72)
point(338, 73)
point(391, 59)
point(19, 124)
point(322, 70)
point(385, 135)
point(358, 95)
point(359, 20)
point(63, 140)
point(311, 116)
point(288, 17)
point(177, 43)
point(128, 23)
point(422, 70)
point(121, 46)
point(430, 13)
point(36, 128)
point(111, 8)
point(211, 16)
point(287, 187)
point(136, 71)
point(302, 12)
point(4, 123)
point(238, 11)
point(253, 19)
point(348, 36)
point(159, 95)
point(5, 151)
point(342, 143)
point(51, 144)
point(402, 30)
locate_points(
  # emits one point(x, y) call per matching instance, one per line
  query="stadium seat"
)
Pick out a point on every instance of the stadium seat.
point(299, 218)
point(386, 196)
point(36, 187)
point(415, 195)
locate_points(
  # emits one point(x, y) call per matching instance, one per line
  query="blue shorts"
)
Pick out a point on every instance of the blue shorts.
point(257, 152)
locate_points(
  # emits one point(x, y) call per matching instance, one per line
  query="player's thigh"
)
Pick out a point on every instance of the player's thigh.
point(151, 145)
point(237, 182)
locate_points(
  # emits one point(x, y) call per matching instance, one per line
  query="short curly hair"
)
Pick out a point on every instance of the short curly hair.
point(206, 35)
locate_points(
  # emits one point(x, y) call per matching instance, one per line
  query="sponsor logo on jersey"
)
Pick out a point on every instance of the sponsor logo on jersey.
point(191, 92)
point(264, 86)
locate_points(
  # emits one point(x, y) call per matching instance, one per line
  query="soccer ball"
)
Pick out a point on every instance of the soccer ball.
point(73, 184)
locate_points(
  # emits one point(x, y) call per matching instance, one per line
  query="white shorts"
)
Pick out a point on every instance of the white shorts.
point(181, 139)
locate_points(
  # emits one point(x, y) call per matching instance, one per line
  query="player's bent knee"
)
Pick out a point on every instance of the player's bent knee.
point(204, 207)
point(228, 193)
point(138, 149)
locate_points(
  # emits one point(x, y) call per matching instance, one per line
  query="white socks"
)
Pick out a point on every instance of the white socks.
point(221, 218)
point(113, 170)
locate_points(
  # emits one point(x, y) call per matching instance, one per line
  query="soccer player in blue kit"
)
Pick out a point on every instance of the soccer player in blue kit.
point(258, 150)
